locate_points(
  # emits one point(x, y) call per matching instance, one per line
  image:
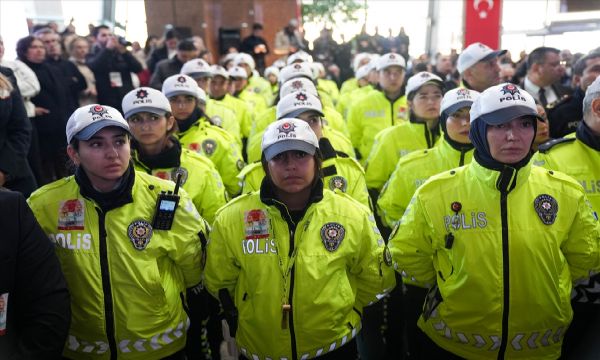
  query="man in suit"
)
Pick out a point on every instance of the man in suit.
point(543, 76)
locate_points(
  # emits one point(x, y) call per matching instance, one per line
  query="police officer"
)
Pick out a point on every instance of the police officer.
point(126, 266)
point(159, 153)
point(478, 67)
point(256, 83)
point(340, 171)
point(333, 124)
point(497, 242)
point(197, 133)
point(219, 113)
point(300, 261)
point(453, 150)
point(380, 109)
point(578, 155)
point(424, 95)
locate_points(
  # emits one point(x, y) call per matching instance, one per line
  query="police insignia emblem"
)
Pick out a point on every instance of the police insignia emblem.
point(510, 89)
point(181, 79)
point(71, 215)
point(297, 66)
point(184, 175)
point(240, 164)
point(98, 110)
point(387, 256)
point(392, 56)
point(332, 235)
point(546, 207)
point(297, 85)
point(139, 232)
point(209, 146)
point(194, 147)
point(338, 182)
point(141, 94)
point(301, 96)
point(257, 224)
point(216, 120)
point(286, 128)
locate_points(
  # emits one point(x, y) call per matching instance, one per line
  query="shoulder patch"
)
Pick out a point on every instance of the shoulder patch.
point(545, 147)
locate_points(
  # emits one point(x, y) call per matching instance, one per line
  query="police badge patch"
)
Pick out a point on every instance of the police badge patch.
point(546, 207)
point(338, 182)
point(332, 235)
point(139, 232)
point(71, 215)
point(184, 175)
point(209, 146)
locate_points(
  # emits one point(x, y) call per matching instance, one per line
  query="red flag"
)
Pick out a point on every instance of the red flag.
point(482, 22)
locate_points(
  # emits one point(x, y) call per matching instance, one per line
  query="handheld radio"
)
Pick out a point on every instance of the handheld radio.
point(166, 204)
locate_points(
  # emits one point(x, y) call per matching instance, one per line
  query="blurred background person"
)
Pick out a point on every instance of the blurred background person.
point(79, 48)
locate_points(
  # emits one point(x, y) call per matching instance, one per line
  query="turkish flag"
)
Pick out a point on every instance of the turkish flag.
point(482, 22)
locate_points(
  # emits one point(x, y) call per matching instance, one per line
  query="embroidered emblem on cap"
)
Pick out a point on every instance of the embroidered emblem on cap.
point(425, 75)
point(209, 146)
point(338, 182)
point(98, 110)
point(71, 215)
point(297, 84)
point(387, 256)
point(301, 96)
point(286, 128)
point(297, 66)
point(141, 94)
point(332, 235)
point(546, 208)
point(181, 79)
point(139, 232)
point(510, 89)
point(392, 56)
point(462, 92)
point(257, 224)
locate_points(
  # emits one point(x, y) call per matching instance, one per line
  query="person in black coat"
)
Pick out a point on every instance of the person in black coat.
point(51, 109)
point(72, 78)
point(186, 51)
point(15, 137)
point(35, 308)
point(169, 46)
point(256, 46)
point(112, 65)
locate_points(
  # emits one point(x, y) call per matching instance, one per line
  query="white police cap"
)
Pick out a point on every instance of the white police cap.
point(415, 82)
point(475, 53)
point(89, 119)
point(145, 99)
point(298, 84)
point(196, 68)
point(502, 103)
point(288, 134)
point(180, 85)
point(294, 104)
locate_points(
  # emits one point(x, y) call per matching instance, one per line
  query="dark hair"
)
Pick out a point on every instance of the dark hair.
point(23, 45)
point(580, 65)
point(171, 34)
point(98, 28)
point(147, 46)
point(257, 26)
point(538, 55)
point(186, 45)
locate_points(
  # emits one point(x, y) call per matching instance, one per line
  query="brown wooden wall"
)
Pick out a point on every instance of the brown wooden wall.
point(205, 17)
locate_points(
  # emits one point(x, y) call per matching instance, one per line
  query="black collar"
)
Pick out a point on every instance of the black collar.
point(586, 136)
point(169, 157)
point(269, 197)
point(110, 200)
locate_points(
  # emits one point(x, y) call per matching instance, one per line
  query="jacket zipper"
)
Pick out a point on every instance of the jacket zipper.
point(505, 273)
point(392, 113)
point(106, 289)
point(462, 157)
point(290, 297)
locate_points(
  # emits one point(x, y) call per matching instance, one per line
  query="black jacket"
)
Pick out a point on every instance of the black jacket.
point(15, 139)
point(38, 302)
point(164, 69)
point(73, 79)
point(104, 61)
point(565, 114)
point(157, 55)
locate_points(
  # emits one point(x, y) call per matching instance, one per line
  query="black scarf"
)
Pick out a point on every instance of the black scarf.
point(109, 200)
point(185, 124)
point(169, 157)
point(585, 134)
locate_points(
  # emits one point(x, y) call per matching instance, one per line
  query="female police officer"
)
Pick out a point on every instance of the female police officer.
point(300, 261)
point(454, 150)
point(148, 114)
point(126, 264)
point(498, 242)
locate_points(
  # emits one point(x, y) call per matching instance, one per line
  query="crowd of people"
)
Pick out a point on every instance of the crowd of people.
point(347, 201)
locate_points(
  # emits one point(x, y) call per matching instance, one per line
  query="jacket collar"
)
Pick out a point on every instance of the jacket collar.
point(113, 199)
point(504, 180)
point(168, 158)
point(269, 197)
point(586, 136)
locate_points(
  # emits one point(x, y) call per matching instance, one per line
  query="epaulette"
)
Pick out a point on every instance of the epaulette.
point(545, 147)
point(558, 102)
